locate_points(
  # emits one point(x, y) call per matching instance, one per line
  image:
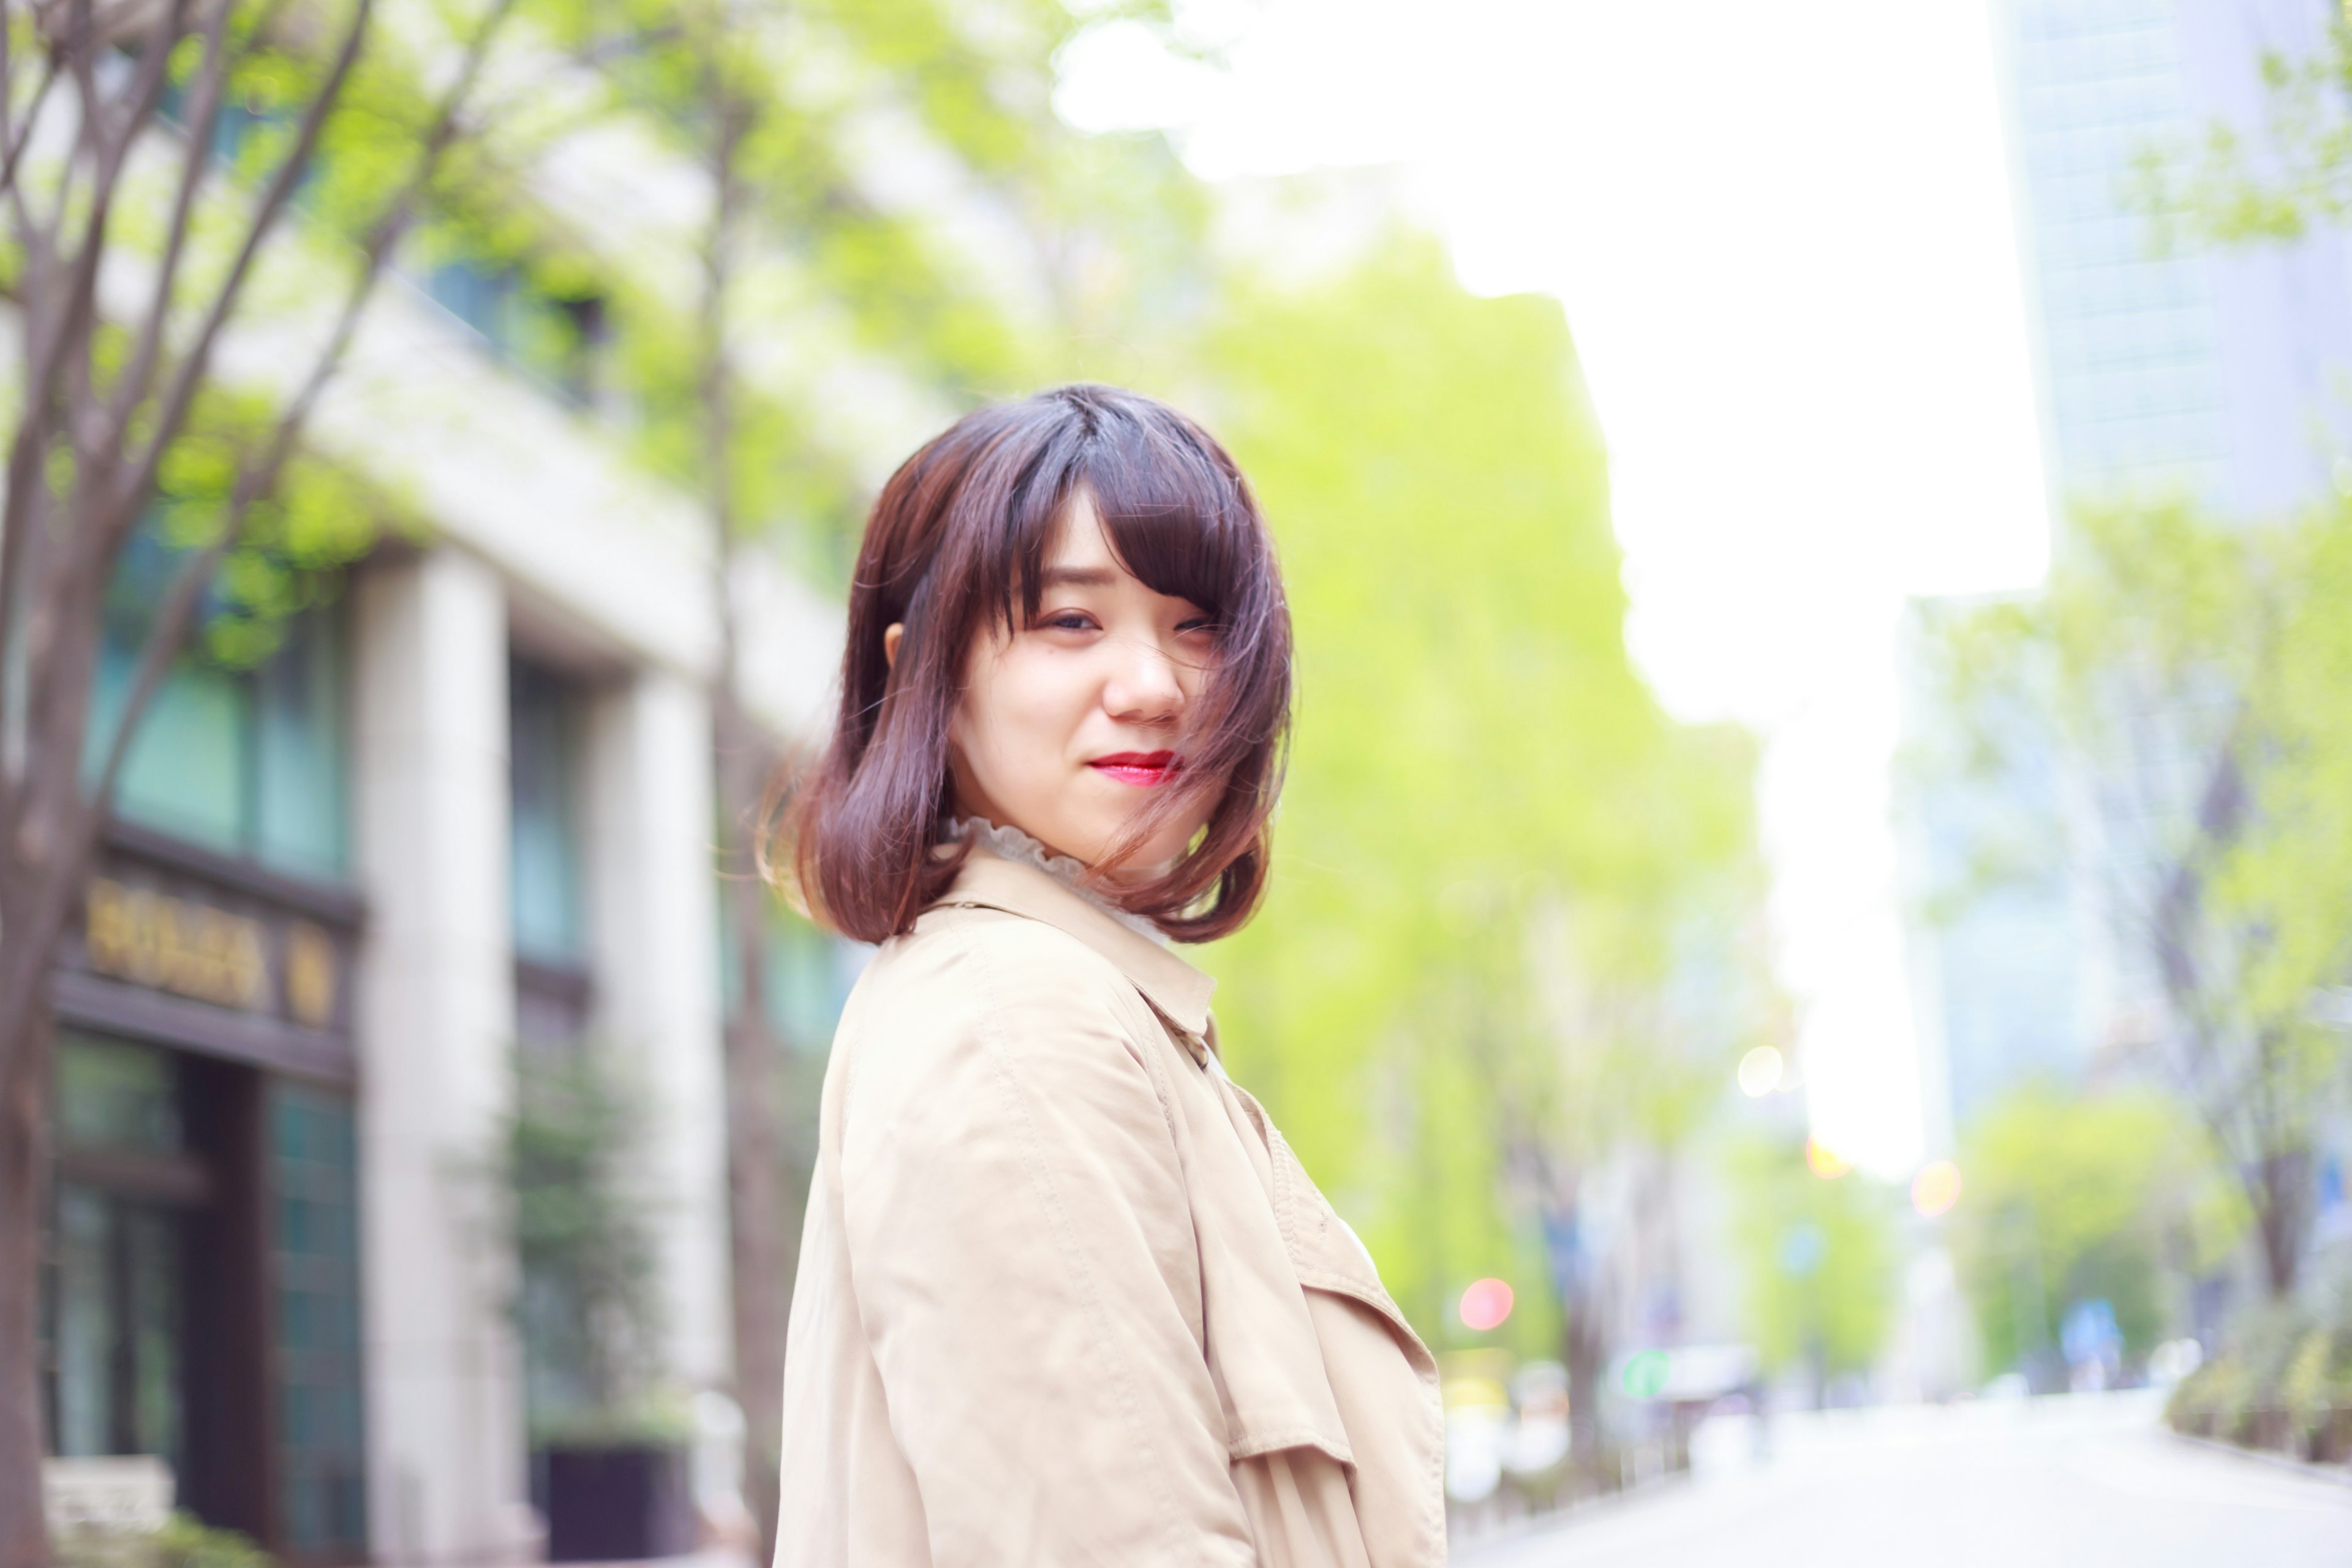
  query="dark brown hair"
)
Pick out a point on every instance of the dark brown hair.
point(955, 545)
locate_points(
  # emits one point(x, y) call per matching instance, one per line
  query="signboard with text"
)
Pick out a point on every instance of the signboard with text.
point(229, 963)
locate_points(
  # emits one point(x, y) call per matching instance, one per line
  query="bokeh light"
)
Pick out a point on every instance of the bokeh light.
point(1935, 1188)
point(1760, 1072)
point(1646, 1375)
point(1826, 1161)
point(1485, 1304)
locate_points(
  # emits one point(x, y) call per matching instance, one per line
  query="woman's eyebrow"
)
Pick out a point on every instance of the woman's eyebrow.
point(1075, 577)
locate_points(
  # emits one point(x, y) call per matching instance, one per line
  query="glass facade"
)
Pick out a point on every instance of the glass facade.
point(546, 885)
point(117, 1342)
point(250, 762)
point(2130, 339)
point(554, 342)
point(807, 975)
point(116, 1288)
point(114, 1096)
point(314, 1204)
point(2207, 374)
point(300, 754)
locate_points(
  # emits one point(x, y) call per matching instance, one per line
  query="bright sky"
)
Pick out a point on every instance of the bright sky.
point(1783, 237)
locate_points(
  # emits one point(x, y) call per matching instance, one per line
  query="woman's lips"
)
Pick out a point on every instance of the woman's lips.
point(1141, 768)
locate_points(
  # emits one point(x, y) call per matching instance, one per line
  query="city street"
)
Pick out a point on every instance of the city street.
point(2079, 1482)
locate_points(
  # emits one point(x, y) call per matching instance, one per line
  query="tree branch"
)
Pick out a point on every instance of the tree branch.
point(24, 130)
point(173, 412)
point(195, 161)
point(72, 326)
point(73, 323)
point(31, 943)
point(171, 629)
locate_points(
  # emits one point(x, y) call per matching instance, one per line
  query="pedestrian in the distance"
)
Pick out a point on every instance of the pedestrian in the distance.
point(1065, 1296)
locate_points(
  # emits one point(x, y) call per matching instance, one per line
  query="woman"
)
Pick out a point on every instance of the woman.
point(1064, 1294)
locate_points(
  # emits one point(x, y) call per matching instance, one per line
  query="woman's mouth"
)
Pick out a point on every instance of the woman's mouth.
point(1142, 769)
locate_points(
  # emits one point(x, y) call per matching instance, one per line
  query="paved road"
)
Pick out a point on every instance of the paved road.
point(2056, 1483)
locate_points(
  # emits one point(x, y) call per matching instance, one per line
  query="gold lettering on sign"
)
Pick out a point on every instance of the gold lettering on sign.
point(172, 944)
point(310, 974)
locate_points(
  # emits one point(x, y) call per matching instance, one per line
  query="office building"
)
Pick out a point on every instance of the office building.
point(2218, 375)
point(467, 806)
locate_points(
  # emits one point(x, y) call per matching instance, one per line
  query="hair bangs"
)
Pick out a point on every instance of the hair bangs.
point(1175, 517)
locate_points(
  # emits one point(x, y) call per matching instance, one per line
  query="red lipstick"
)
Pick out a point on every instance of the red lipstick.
point(1143, 769)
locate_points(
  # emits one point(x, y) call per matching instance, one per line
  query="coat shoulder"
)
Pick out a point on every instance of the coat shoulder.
point(953, 1015)
point(961, 968)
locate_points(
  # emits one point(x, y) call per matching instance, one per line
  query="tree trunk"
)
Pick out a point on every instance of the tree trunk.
point(763, 1235)
point(1584, 1348)
point(2282, 1209)
point(66, 526)
point(24, 1186)
point(761, 1239)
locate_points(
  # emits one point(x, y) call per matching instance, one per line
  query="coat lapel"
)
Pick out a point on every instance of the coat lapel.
point(1178, 992)
point(1260, 1337)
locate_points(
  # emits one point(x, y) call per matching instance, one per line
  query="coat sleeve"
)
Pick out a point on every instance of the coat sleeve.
point(1022, 1255)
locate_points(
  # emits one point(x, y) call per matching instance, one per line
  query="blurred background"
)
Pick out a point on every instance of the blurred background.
point(1812, 929)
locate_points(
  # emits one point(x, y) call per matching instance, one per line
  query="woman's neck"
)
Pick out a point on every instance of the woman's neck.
point(1010, 843)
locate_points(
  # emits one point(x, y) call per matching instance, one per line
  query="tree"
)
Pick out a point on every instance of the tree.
point(726, 409)
point(2237, 186)
point(1818, 1262)
point(133, 252)
point(584, 1226)
point(1510, 933)
point(2196, 676)
point(2078, 1199)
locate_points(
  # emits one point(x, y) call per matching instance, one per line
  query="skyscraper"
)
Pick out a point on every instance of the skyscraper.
point(2200, 370)
point(2224, 376)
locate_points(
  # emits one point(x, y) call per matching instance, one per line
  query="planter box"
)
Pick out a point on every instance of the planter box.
point(618, 1504)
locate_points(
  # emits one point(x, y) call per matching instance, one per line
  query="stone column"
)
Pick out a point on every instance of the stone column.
point(653, 899)
point(446, 1476)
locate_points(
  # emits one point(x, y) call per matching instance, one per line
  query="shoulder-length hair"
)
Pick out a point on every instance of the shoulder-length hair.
point(955, 547)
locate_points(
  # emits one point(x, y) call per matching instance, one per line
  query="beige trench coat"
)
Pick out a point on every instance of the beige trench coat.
point(1065, 1296)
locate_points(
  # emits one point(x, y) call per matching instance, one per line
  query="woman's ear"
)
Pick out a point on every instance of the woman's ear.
point(890, 636)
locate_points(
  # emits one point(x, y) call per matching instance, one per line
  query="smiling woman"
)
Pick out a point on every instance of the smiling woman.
point(1063, 721)
point(1061, 598)
point(1065, 1295)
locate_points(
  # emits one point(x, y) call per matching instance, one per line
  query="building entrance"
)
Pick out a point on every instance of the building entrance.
point(118, 1296)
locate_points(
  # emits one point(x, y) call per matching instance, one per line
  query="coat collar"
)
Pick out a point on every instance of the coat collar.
point(1178, 990)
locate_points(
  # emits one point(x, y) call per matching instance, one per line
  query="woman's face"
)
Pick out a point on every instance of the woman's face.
point(1069, 725)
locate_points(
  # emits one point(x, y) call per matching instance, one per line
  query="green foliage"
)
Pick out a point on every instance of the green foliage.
point(583, 1229)
point(1817, 1258)
point(186, 1543)
point(2200, 675)
point(2270, 185)
point(295, 541)
point(313, 516)
point(2070, 1199)
point(2283, 1380)
point(182, 1543)
point(804, 106)
point(1496, 856)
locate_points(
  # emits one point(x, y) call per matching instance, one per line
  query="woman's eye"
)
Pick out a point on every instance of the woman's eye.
point(1070, 621)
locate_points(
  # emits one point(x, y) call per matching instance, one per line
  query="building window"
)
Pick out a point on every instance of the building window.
point(251, 763)
point(300, 758)
point(557, 342)
point(806, 975)
point(546, 885)
point(314, 1200)
point(115, 1291)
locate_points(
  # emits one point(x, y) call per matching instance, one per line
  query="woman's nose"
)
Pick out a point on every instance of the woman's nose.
point(1145, 687)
